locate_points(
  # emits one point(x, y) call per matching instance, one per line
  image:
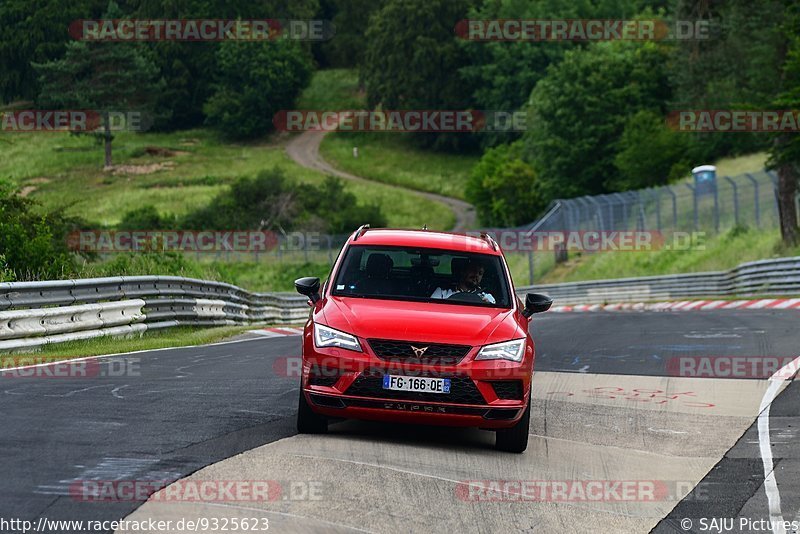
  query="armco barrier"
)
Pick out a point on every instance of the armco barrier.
point(766, 277)
point(36, 313)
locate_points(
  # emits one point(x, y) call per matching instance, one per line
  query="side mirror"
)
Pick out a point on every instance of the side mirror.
point(536, 303)
point(308, 286)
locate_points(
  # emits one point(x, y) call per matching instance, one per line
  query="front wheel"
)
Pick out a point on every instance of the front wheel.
point(515, 438)
point(309, 422)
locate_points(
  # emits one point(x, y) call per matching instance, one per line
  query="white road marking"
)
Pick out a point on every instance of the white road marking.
point(770, 484)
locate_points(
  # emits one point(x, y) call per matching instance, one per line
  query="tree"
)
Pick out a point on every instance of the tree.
point(504, 188)
point(503, 74)
point(104, 77)
point(255, 80)
point(351, 20)
point(650, 154)
point(190, 69)
point(413, 60)
point(579, 110)
point(785, 149)
point(35, 32)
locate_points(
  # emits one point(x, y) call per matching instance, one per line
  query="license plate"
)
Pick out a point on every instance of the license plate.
point(417, 384)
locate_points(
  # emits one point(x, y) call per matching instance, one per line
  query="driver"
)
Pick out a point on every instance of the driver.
point(470, 282)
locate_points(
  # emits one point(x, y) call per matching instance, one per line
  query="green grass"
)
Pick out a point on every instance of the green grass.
point(333, 90)
point(392, 159)
point(723, 252)
point(173, 337)
point(66, 172)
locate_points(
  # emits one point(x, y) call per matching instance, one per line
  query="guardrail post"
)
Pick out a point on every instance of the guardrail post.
point(756, 197)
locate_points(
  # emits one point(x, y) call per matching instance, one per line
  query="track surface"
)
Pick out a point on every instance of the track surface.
point(182, 409)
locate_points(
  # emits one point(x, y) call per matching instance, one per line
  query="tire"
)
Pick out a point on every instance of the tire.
point(309, 422)
point(515, 438)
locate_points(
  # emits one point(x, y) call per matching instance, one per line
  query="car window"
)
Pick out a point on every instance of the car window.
point(422, 274)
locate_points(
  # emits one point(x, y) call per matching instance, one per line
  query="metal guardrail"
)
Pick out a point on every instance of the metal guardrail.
point(765, 277)
point(33, 314)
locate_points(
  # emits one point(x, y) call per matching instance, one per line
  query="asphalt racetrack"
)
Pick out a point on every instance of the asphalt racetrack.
point(632, 400)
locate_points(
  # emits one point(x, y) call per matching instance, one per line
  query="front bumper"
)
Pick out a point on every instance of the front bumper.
point(346, 384)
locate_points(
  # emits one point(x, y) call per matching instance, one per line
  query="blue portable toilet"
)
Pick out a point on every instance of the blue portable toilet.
point(705, 179)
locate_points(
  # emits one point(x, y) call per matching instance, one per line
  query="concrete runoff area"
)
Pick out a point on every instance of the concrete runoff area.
point(387, 478)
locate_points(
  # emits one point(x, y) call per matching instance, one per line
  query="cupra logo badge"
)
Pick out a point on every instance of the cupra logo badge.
point(418, 351)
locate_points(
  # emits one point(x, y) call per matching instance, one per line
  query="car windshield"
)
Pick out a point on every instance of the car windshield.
point(419, 274)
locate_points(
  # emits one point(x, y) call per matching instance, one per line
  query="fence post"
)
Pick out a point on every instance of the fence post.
point(774, 177)
point(756, 196)
point(530, 267)
point(657, 194)
point(598, 213)
point(716, 209)
point(622, 201)
point(694, 205)
point(735, 199)
point(674, 207)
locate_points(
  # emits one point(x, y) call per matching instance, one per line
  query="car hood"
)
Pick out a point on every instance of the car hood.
point(421, 321)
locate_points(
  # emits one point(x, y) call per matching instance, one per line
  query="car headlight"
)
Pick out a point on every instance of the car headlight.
point(325, 336)
point(507, 350)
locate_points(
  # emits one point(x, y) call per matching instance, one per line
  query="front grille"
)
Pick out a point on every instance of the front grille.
point(508, 389)
point(462, 389)
point(403, 351)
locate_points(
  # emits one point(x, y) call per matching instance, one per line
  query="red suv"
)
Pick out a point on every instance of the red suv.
point(420, 327)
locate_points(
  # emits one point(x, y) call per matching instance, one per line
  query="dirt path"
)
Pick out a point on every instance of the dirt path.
point(304, 150)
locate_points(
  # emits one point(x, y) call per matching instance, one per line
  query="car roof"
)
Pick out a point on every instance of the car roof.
point(425, 239)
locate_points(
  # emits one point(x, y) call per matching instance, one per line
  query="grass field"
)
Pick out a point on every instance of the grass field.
point(66, 172)
point(723, 252)
point(390, 158)
point(333, 90)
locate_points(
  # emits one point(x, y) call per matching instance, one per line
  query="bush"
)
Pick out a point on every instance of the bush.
point(504, 188)
point(32, 246)
point(146, 218)
point(650, 154)
point(271, 200)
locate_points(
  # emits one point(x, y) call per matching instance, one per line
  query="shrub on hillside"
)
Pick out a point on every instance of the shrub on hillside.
point(274, 201)
point(33, 246)
point(504, 189)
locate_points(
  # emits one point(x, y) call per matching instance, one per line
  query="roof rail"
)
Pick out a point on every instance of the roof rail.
point(361, 231)
point(489, 239)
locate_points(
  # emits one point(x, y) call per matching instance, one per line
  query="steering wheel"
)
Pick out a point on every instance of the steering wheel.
point(466, 297)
